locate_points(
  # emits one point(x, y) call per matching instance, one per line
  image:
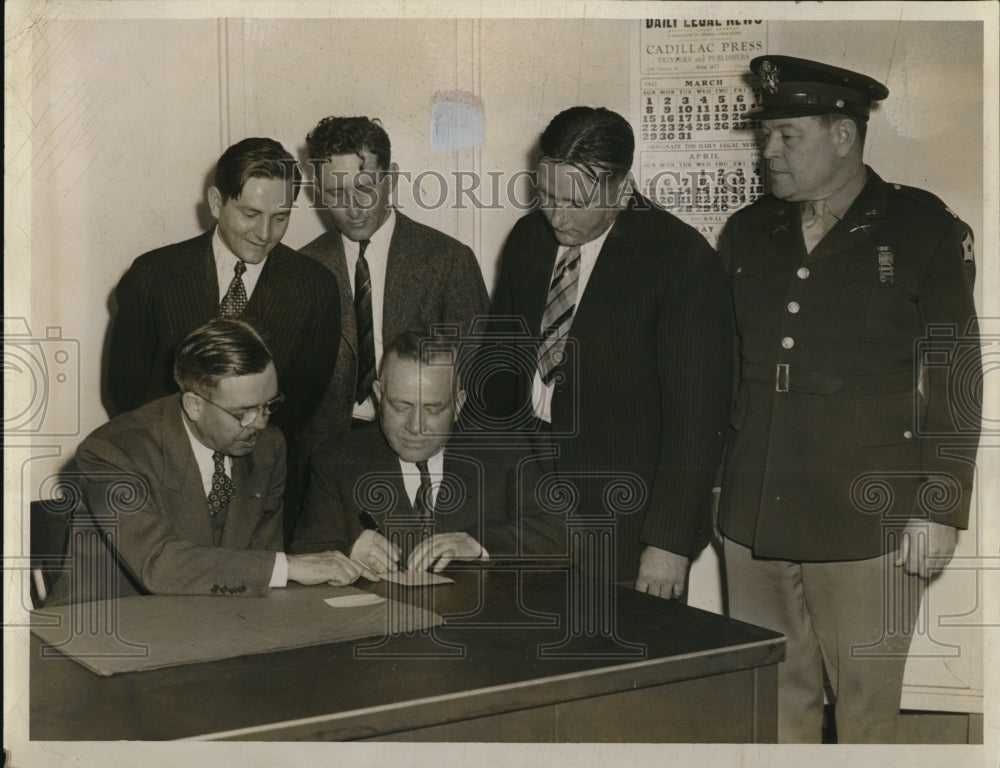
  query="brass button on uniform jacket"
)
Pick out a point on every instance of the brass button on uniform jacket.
point(860, 388)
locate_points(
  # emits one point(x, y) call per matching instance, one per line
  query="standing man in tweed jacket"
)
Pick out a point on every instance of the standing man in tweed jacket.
point(393, 274)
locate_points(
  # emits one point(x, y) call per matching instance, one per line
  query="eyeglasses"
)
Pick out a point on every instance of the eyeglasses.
point(247, 416)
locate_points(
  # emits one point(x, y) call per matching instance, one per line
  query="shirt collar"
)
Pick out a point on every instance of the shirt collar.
point(435, 464)
point(203, 454)
point(378, 243)
point(842, 199)
point(225, 259)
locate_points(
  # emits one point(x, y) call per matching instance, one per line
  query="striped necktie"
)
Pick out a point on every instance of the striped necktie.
point(558, 314)
point(366, 328)
point(235, 300)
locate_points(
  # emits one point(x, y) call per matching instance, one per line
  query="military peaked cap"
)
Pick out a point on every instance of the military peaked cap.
point(793, 87)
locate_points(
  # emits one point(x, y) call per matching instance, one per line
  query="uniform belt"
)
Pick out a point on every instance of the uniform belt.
point(791, 378)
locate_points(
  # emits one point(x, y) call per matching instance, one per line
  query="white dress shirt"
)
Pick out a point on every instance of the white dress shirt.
point(377, 256)
point(541, 393)
point(411, 476)
point(225, 268)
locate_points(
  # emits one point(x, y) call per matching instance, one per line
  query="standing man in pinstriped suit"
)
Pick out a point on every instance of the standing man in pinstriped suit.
point(629, 311)
point(239, 269)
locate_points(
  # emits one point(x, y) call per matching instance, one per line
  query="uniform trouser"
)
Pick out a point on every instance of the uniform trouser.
point(853, 619)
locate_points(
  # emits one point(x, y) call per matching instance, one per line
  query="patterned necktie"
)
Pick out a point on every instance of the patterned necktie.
point(222, 487)
point(423, 504)
point(817, 220)
point(366, 328)
point(558, 312)
point(235, 300)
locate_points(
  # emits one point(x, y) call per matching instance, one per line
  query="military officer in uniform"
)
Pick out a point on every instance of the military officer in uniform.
point(849, 466)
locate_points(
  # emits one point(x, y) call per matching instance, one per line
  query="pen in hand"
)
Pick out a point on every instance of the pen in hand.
point(371, 524)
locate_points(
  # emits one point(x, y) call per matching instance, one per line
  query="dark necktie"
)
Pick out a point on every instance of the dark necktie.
point(558, 312)
point(222, 487)
point(366, 329)
point(235, 300)
point(423, 504)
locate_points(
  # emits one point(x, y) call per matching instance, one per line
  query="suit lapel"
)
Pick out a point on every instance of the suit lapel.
point(345, 281)
point(532, 290)
point(464, 475)
point(381, 467)
point(272, 286)
point(193, 292)
point(610, 279)
point(246, 506)
point(183, 492)
point(404, 281)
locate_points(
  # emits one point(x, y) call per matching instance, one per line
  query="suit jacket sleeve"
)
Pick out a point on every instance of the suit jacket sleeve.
point(309, 374)
point(125, 498)
point(323, 523)
point(695, 343)
point(516, 524)
point(133, 341)
point(465, 296)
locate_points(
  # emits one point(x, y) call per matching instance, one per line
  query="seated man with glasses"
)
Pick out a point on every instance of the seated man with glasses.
point(183, 495)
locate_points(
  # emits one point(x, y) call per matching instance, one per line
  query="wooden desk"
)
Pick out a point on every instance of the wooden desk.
point(492, 672)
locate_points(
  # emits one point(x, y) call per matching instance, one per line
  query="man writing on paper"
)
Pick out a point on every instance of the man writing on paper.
point(404, 492)
point(185, 492)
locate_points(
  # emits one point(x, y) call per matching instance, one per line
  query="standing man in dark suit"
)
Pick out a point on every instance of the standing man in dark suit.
point(631, 348)
point(186, 492)
point(841, 494)
point(239, 269)
point(394, 274)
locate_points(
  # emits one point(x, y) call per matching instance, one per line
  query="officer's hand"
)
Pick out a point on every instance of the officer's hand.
point(661, 573)
point(372, 549)
point(925, 548)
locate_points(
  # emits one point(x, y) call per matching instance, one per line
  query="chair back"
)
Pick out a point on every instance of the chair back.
point(50, 520)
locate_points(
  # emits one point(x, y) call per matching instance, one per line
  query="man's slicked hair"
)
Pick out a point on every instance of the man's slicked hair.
point(219, 349)
point(349, 136)
point(593, 138)
point(425, 349)
point(255, 158)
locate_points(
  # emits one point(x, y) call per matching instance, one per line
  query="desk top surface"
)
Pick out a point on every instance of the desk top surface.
point(511, 639)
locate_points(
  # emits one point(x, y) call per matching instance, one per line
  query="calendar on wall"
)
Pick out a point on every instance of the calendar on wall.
point(697, 154)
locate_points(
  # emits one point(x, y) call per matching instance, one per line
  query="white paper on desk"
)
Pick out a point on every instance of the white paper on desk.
point(416, 578)
point(354, 601)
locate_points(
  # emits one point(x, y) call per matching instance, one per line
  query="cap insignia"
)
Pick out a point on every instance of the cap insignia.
point(769, 77)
